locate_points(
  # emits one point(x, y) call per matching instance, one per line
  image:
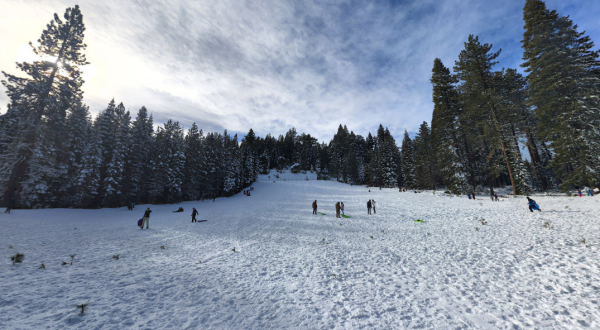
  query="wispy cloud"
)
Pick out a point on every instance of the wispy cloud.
point(271, 65)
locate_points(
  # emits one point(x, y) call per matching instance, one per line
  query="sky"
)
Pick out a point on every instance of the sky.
point(274, 65)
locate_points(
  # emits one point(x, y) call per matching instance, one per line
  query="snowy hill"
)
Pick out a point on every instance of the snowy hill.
point(470, 265)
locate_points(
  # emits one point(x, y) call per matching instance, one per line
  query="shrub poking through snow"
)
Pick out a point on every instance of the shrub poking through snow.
point(584, 242)
point(548, 225)
point(72, 258)
point(477, 228)
point(483, 221)
point(10, 246)
point(334, 276)
point(162, 247)
point(64, 263)
point(199, 261)
point(82, 307)
point(17, 258)
point(116, 257)
point(233, 250)
point(371, 236)
point(42, 266)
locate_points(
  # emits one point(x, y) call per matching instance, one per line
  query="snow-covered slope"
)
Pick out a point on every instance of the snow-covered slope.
point(450, 272)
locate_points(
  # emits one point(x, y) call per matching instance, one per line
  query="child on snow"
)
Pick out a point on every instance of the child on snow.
point(146, 218)
point(533, 205)
point(194, 213)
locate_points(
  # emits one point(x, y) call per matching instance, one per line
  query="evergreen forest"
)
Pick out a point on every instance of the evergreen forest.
point(538, 131)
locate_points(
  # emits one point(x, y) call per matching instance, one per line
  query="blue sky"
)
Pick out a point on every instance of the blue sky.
point(273, 65)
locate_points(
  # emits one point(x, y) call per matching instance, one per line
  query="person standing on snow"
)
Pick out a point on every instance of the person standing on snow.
point(194, 214)
point(9, 206)
point(369, 207)
point(373, 204)
point(342, 207)
point(579, 192)
point(533, 205)
point(146, 218)
point(337, 210)
point(314, 207)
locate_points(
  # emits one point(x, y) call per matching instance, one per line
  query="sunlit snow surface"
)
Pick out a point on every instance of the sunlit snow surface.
point(441, 274)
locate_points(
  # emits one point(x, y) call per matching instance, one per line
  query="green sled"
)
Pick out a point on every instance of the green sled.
point(321, 213)
point(345, 216)
point(419, 220)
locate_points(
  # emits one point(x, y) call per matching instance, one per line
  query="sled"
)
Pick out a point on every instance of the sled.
point(345, 216)
point(140, 222)
point(201, 220)
point(420, 221)
point(321, 213)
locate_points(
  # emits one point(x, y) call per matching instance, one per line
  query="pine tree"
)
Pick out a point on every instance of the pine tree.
point(563, 87)
point(45, 94)
point(193, 164)
point(408, 162)
point(113, 182)
point(426, 172)
point(480, 108)
point(140, 158)
point(233, 166)
point(444, 128)
point(81, 186)
point(387, 162)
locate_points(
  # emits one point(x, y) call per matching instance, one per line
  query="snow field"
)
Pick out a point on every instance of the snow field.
point(443, 274)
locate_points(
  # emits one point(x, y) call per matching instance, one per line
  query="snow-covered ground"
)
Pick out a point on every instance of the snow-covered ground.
point(450, 272)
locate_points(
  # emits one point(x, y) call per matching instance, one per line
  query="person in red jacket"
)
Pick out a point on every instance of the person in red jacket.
point(314, 205)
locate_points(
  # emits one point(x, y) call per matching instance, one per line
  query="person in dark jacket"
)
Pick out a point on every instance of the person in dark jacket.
point(533, 205)
point(9, 207)
point(369, 206)
point(146, 218)
point(194, 214)
point(337, 210)
point(314, 205)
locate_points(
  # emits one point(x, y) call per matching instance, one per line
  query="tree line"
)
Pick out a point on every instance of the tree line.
point(481, 117)
point(53, 154)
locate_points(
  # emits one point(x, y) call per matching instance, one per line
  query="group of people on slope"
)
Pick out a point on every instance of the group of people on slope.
point(371, 204)
point(339, 207)
point(587, 190)
point(146, 218)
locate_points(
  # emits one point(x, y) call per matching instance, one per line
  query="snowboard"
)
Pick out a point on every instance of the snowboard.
point(419, 221)
point(345, 216)
point(140, 223)
point(321, 213)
